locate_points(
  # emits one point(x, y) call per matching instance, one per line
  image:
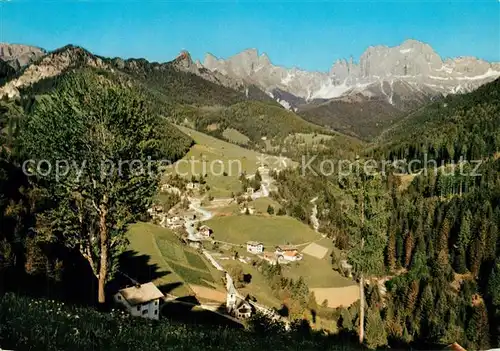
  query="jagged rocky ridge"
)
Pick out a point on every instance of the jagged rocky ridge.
point(391, 73)
point(57, 62)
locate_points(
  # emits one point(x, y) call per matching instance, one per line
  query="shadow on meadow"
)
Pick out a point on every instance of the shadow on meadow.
point(134, 268)
point(187, 309)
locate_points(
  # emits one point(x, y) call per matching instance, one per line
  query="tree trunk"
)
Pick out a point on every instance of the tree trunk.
point(362, 302)
point(361, 309)
point(361, 279)
point(103, 269)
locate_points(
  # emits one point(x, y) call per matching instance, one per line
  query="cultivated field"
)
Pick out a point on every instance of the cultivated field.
point(270, 230)
point(204, 293)
point(182, 265)
point(315, 250)
point(337, 297)
point(318, 273)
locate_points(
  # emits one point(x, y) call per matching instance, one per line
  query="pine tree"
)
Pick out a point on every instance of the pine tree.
point(391, 249)
point(411, 296)
point(490, 247)
point(476, 256)
point(376, 336)
point(494, 283)
point(478, 329)
point(465, 231)
point(365, 210)
point(460, 262)
point(409, 242)
point(442, 248)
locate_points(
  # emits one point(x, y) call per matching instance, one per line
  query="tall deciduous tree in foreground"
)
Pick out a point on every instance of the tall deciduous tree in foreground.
point(91, 128)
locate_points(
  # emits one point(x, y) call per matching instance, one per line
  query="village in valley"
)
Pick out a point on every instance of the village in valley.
point(236, 236)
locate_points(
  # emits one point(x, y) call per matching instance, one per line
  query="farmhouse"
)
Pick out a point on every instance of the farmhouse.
point(288, 253)
point(269, 257)
point(194, 242)
point(255, 247)
point(247, 209)
point(142, 300)
point(205, 231)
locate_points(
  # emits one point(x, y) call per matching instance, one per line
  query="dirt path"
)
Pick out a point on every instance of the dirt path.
point(314, 215)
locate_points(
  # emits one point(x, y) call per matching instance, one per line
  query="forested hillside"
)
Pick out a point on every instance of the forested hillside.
point(177, 86)
point(438, 243)
point(359, 117)
point(460, 125)
point(256, 120)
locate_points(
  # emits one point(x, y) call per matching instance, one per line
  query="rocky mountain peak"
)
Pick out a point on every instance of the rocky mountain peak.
point(51, 65)
point(413, 64)
point(18, 56)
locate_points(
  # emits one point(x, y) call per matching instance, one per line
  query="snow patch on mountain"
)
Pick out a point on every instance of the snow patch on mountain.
point(413, 64)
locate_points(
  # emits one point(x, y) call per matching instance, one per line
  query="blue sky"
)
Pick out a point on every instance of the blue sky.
point(310, 35)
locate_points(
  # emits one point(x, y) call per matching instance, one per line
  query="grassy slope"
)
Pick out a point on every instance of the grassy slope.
point(260, 205)
point(212, 149)
point(258, 286)
point(256, 119)
point(276, 230)
point(185, 265)
point(271, 230)
point(318, 273)
point(233, 136)
point(47, 325)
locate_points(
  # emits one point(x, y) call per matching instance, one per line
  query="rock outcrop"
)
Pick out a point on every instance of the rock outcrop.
point(18, 56)
point(51, 65)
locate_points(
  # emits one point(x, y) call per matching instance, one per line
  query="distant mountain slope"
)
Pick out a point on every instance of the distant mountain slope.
point(363, 98)
point(460, 125)
point(353, 115)
point(175, 143)
point(51, 65)
point(367, 113)
point(179, 90)
point(177, 86)
point(413, 62)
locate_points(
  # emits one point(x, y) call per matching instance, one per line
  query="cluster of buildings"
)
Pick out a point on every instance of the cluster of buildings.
point(236, 305)
point(282, 253)
point(196, 239)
